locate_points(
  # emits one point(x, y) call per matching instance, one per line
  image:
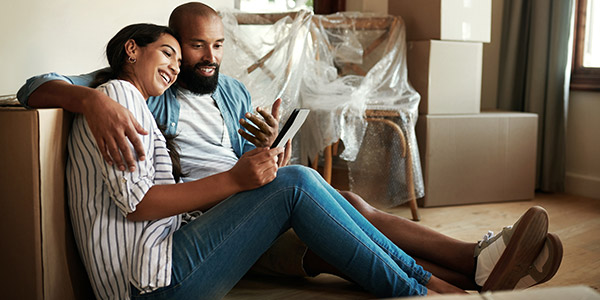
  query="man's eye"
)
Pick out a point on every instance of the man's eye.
point(197, 46)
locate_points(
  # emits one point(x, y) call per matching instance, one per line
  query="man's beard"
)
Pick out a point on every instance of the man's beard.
point(196, 83)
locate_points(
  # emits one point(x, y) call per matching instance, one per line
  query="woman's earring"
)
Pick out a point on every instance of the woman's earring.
point(132, 60)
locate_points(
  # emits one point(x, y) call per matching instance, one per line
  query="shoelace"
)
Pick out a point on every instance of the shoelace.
point(489, 235)
point(486, 237)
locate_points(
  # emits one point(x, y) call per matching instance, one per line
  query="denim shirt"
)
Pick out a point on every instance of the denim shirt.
point(231, 96)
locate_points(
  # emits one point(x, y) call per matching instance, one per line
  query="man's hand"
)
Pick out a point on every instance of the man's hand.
point(256, 168)
point(265, 129)
point(112, 124)
point(283, 159)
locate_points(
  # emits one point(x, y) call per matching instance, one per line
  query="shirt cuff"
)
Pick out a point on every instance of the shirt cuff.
point(35, 82)
point(131, 193)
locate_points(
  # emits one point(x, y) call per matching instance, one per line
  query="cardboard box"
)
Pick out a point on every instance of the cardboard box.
point(478, 158)
point(447, 75)
point(375, 6)
point(449, 20)
point(39, 256)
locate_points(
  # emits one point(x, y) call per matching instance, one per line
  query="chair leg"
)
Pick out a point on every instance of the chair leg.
point(334, 148)
point(315, 162)
point(411, 185)
point(406, 153)
point(327, 166)
point(413, 210)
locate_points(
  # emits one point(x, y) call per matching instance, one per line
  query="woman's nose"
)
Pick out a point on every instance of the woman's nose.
point(174, 66)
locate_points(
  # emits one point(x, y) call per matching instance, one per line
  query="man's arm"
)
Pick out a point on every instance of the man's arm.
point(33, 83)
point(111, 123)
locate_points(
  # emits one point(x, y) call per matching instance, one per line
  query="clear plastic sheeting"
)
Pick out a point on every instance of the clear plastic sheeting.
point(347, 68)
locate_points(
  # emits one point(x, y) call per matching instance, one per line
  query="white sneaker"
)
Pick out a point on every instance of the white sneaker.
point(503, 260)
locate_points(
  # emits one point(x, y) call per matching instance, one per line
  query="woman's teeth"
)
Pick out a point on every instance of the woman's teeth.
point(165, 77)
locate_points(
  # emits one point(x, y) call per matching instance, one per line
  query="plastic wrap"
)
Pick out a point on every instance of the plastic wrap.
point(343, 67)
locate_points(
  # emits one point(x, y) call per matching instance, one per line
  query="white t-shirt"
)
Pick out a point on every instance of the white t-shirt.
point(202, 136)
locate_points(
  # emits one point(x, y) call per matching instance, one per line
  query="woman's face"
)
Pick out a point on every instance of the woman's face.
point(157, 66)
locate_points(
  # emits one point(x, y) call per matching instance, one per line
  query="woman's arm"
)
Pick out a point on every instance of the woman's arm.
point(140, 197)
point(254, 169)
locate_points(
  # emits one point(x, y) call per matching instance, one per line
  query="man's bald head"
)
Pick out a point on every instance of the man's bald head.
point(202, 35)
point(182, 14)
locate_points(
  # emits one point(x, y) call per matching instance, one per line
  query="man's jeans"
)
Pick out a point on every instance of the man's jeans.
point(212, 253)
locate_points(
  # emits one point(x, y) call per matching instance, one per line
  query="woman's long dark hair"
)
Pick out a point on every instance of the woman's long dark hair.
point(143, 34)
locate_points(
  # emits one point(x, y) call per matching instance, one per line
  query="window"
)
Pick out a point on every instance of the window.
point(586, 59)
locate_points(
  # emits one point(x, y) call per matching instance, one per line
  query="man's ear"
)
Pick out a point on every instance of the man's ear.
point(131, 48)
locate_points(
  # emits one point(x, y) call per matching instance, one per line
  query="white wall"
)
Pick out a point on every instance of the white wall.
point(69, 37)
point(583, 144)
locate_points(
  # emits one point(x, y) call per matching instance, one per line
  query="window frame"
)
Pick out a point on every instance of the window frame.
point(582, 78)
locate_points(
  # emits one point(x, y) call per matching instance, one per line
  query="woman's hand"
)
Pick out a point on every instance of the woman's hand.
point(256, 168)
point(112, 125)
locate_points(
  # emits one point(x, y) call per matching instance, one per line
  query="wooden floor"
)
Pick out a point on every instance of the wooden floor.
point(575, 219)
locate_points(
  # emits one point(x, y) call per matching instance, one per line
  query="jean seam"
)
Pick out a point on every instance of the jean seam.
point(352, 234)
point(423, 276)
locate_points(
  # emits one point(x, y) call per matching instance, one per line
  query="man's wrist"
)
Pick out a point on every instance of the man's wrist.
point(89, 100)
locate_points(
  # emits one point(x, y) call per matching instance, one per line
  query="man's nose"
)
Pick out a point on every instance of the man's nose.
point(209, 55)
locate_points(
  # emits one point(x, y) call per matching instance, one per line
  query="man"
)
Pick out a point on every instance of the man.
point(202, 112)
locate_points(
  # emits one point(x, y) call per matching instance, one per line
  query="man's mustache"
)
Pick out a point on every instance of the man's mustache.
point(205, 64)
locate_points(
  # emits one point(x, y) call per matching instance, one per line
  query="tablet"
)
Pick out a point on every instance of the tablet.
point(292, 125)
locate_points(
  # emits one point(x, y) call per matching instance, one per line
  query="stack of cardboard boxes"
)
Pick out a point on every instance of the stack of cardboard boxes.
point(467, 156)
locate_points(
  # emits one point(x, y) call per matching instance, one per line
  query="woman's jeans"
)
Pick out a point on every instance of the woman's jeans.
point(212, 253)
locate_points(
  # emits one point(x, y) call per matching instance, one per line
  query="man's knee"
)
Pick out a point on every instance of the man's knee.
point(296, 174)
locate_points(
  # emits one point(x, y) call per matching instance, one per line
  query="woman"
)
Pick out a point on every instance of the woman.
point(128, 225)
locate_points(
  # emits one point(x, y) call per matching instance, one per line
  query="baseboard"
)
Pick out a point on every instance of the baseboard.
point(582, 185)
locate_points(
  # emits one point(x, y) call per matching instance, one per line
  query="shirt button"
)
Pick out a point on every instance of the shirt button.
point(173, 124)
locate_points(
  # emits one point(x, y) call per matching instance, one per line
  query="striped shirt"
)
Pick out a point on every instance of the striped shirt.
point(202, 136)
point(117, 252)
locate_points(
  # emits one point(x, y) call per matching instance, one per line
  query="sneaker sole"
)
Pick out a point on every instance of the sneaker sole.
point(557, 248)
point(524, 246)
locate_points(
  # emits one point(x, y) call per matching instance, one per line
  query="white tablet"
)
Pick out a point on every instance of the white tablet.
point(291, 127)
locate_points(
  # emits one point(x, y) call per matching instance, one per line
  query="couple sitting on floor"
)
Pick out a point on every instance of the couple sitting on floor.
point(205, 201)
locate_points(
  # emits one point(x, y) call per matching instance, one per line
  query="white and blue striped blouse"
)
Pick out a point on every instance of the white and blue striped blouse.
point(118, 252)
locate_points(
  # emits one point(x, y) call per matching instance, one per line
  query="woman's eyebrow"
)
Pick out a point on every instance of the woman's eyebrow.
point(169, 46)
